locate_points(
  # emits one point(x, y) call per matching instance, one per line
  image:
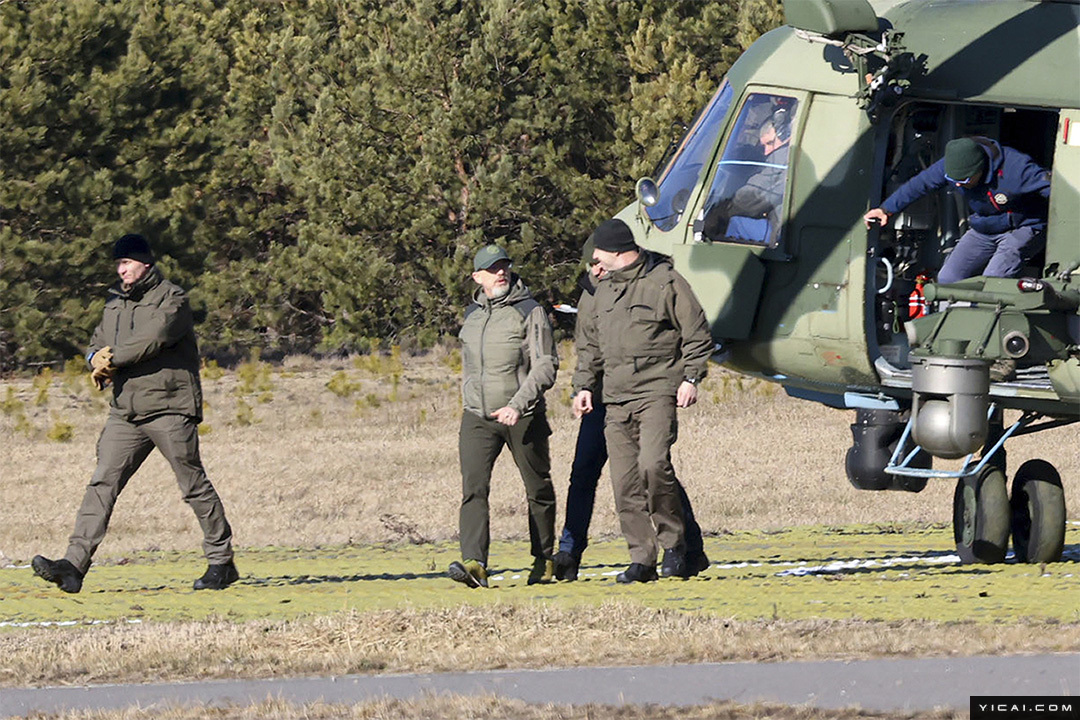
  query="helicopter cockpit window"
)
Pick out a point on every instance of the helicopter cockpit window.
point(747, 194)
point(683, 170)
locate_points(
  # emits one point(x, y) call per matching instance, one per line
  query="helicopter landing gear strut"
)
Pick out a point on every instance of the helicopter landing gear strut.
point(984, 515)
point(981, 504)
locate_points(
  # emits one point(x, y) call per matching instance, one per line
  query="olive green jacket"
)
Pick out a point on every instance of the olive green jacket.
point(507, 351)
point(643, 332)
point(152, 335)
point(585, 328)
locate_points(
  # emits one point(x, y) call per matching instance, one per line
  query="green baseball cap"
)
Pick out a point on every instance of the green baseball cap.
point(488, 256)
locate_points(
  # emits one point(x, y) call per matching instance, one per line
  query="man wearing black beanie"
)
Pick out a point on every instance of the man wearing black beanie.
point(134, 247)
point(647, 337)
point(145, 348)
point(614, 236)
point(590, 455)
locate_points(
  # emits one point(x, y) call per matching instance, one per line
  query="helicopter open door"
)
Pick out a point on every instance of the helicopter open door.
point(741, 214)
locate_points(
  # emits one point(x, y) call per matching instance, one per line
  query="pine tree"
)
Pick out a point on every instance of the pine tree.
point(105, 125)
point(319, 173)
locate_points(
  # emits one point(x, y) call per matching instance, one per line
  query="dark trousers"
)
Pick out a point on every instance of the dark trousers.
point(121, 449)
point(479, 444)
point(590, 455)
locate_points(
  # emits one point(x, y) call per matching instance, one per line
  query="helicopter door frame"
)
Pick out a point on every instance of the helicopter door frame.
point(1062, 254)
point(728, 272)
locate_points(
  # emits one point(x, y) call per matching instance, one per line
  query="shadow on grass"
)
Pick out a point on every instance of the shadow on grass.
point(318, 579)
point(918, 561)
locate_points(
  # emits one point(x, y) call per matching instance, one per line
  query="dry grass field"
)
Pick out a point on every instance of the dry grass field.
point(486, 708)
point(346, 471)
point(364, 450)
point(490, 708)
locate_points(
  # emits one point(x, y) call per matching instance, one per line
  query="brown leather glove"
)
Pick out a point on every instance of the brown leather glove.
point(102, 377)
point(102, 358)
point(101, 362)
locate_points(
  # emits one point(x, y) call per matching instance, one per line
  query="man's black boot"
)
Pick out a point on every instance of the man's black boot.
point(637, 573)
point(674, 564)
point(63, 573)
point(566, 566)
point(218, 577)
point(696, 563)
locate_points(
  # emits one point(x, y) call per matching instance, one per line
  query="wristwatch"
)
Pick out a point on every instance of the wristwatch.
point(692, 381)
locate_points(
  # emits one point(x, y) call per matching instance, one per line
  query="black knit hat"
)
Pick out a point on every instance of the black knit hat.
point(614, 236)
point(134, 247)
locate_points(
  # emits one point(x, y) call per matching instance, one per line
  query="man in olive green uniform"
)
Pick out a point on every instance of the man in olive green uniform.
point(145, 347)
point(648, 338)
point(508, 362)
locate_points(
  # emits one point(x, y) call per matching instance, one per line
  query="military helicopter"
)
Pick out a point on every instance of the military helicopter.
point(828, 115)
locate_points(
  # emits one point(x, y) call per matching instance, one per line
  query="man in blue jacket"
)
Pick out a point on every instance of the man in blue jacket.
point(1006, 193)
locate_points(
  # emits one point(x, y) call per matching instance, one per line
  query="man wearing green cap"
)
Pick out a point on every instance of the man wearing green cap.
point(1007, 195)
point(508, 361)
point(145, 348)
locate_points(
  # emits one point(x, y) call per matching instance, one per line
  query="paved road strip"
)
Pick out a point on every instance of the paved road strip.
point(910, 685)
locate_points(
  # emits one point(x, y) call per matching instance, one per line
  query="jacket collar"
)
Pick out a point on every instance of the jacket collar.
point(646, 261)
point(631, 272)
point(995, 156)
point(143, 285)
point(518, 291)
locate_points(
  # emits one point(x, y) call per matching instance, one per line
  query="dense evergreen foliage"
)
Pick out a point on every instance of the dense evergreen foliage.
point(319, 173)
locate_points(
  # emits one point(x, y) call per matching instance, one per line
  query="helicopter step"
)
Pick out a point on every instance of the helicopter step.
point(1031, 380)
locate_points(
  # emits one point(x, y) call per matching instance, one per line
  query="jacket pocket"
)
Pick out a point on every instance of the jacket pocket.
point(643, 313)
point(644, 363)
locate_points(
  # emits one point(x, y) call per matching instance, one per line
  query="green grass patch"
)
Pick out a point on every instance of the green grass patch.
point(853, 572)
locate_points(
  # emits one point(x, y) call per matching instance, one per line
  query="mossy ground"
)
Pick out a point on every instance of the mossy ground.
point(881, 572)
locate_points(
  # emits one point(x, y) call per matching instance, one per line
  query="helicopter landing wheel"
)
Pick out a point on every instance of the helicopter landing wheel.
point(1038, 513)
point(981, 516)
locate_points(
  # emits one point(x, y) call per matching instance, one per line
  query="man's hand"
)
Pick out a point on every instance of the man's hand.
point(101, 362)
point(506, 415)
point(877, 215)
point(686, 395)
point(583, 403)
point(102, 376)
point(102, 358)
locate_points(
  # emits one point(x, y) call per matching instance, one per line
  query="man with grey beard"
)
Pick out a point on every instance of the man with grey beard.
point(508, 363)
